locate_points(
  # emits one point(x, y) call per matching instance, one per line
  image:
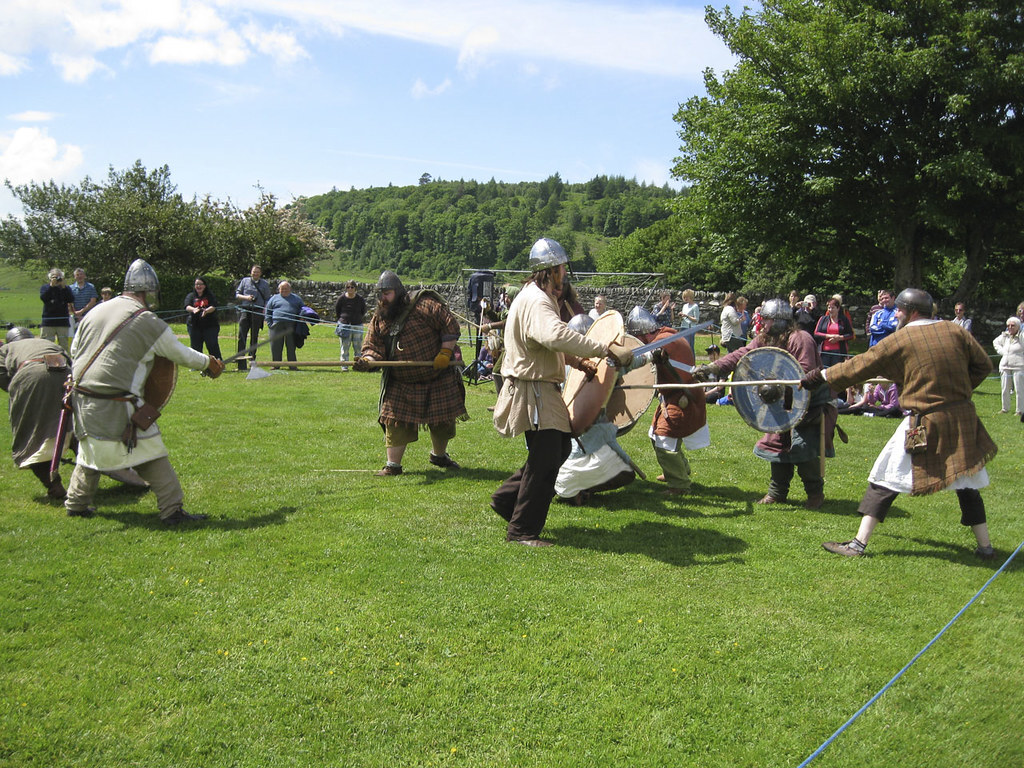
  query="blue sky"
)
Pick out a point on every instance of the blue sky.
point(300, 96)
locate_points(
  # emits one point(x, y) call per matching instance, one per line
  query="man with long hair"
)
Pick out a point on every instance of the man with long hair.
point(538, 344)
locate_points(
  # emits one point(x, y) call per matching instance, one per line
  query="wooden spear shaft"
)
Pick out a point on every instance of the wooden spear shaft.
point(343, 363)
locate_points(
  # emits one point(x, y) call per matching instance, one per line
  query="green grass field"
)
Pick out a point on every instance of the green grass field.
point(325, 616)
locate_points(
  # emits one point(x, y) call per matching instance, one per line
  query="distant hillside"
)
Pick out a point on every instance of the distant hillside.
point(435, 229)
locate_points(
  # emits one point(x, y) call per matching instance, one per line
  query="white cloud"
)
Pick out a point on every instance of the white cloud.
point(280, 45)
point(76, 69)
point(421, 90)
point(227, 49)
point(32, 116)
point(11, 65)
point(31, 154)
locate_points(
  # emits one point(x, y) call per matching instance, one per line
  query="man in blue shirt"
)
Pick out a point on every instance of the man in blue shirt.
point(283, 313)
point(85, 295)
point(884, 321)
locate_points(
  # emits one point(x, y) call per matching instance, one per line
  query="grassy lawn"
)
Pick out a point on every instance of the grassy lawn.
point(325, 616)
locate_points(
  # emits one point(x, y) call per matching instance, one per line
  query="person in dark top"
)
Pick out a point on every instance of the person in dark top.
point(58, 306)
point(350, 312)
point(202, 320)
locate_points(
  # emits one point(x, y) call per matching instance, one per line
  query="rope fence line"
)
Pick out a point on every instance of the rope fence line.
point(899, 674)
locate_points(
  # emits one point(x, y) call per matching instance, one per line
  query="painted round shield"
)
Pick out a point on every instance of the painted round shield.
point(771, 407)
point(160, 383)
point(585, 399)
point(626, 406)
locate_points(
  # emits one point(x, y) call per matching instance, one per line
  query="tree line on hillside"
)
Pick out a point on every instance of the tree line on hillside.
point(436, 228)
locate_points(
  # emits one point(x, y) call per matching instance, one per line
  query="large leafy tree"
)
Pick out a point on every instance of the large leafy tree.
point(861, 142)
point(135, 213)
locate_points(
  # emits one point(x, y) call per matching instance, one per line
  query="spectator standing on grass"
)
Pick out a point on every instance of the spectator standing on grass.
point(85, 295)
point(58, 308)
point(350, 314)
point(538, 343)
point(284, 312)
point(833, 332)
point(1011, 364)
point(732, 333)
point(936, 366)
point(106, 294)
point(201, 318)
point(600, 305)
point(414, 326)
point(960, 316)
point(689, 315)
point(884, 321)
point(252, 295)
point(665, 309)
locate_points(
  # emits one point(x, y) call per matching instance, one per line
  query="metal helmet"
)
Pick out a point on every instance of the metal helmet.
point(141, 278)
point(777, 309)
point(581, 323)
point(547, 253)
point(639, 321)
point(389, 281)
point(17, 334)
point(914, 299)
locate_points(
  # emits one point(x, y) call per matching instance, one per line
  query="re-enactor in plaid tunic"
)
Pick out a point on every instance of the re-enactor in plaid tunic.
point(417, 395)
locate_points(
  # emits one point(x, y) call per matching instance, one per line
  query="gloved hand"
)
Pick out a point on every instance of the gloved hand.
point(444, 357)
point(363, 364)
point(812, 380)
point(619, 356)
point(705, 373)
point(215, 368)
point(659, 356)
point(589, 368)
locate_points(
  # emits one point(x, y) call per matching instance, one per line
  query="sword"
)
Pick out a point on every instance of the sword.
point(687, 334)
point(62, 430)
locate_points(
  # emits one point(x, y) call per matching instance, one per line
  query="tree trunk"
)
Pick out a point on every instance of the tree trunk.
point(907, 269)
point(977, 249)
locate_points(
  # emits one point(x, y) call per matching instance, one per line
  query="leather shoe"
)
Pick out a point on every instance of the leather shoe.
point(181, 516)
point(842, 548)
point(814, 501)
point(769, 499)
point(444, 461)
point(389, 470)
point(533, 542)
point(986, 553)
point(87, 512)
point(675, 491)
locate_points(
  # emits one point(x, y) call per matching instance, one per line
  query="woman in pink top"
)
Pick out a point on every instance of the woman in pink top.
point(832, 333)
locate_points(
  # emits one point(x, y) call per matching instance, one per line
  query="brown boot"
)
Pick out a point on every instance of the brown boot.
point(814, 501)
point(769, 499)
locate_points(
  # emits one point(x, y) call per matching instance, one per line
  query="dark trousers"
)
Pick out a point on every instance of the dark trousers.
point(523, 500)
point(283, 335)
point(877, 500)
point(782, 476)
point(208, 336)
point(250, 323)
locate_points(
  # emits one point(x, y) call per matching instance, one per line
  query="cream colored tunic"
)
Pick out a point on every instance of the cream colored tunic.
point(536, 342)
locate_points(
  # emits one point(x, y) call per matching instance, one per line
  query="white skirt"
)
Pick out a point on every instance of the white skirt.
point(893, 468)
point(589, 470)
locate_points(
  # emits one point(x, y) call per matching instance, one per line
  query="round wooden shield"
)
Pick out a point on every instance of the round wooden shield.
point(583, 398)
point(626, 406)
point(773, 407)
point(160, 383)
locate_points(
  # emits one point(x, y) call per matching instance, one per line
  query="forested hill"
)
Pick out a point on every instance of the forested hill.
point(435, 229)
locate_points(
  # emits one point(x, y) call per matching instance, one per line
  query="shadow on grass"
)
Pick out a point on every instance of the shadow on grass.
point(701, 501)
point(671, 544)
point(958, 553)
point(152, 521)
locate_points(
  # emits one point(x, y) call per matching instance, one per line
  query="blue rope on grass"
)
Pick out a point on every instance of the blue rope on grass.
point(899, 674)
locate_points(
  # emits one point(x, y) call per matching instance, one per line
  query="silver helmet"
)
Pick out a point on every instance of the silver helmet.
point(547, 253)
point(17, 334)
point(581, 323)
point(389, 281)
point(914, 299)
point(777, 309)
point(141, 278)
point(640, 321)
